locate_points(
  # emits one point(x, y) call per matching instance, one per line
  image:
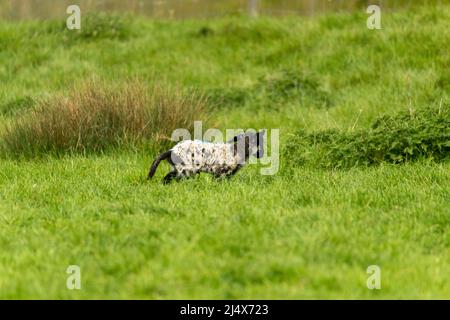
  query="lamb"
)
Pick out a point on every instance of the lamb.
point(191, 157)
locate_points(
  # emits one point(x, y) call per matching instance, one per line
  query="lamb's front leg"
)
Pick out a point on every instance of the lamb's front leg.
point(220, 176)
point(186, 174)
point(233, 171)
point(226, 174)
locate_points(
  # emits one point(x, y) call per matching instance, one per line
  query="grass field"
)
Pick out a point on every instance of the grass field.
point(309, 231)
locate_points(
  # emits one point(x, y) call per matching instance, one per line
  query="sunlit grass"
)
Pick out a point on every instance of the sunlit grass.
point(306, 232)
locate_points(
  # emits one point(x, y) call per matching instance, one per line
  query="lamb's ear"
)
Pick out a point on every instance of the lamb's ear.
point(260, 144)
point(234, 139)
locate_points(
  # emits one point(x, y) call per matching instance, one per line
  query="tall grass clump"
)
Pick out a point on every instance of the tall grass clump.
point(404, 137)
point(96, 116)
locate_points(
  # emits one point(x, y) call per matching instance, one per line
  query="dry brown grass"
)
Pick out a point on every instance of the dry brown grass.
point(98, 116)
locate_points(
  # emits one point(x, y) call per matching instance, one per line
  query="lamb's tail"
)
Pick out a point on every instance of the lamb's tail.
point(156, 162)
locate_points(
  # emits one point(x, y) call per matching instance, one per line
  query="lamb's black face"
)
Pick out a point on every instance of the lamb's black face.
point(253, 143)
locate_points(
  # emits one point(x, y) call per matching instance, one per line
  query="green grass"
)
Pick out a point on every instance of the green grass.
point(306, 232)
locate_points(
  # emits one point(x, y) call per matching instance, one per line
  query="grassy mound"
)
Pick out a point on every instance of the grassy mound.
point(228, 97)
point(407, 136)
point(293, 85)
point(277, 88)
point(97, 116)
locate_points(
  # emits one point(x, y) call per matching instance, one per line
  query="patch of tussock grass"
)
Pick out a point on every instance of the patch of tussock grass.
point(97, 116)
point(404, 137)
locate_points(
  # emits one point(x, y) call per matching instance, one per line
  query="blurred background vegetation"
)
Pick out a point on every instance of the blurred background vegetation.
point(185, 9)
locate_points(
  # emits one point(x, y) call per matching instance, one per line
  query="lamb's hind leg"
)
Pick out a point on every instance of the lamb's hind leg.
point(169, 177)
point(177, 174)
point(174, 173)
